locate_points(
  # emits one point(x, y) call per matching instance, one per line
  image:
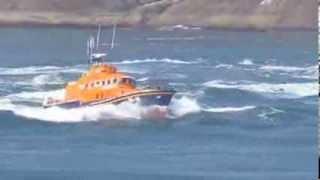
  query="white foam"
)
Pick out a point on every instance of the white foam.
point(26, 70)
point(269, 113)
point(183, 106)
point(229, 109)
point(54, 71)
point(185, 38)
point(266, 2)
point(179, 27)
point(45, 79)
point(289, 90)
point(6, 105)
point(179, 107)
point(40, 70)
point(143, 79)
point(246, 62)
point(36, 96)
point(226, 66)
point(309, 72)
point(165, 60)
point(125, 111)
point(284, 68)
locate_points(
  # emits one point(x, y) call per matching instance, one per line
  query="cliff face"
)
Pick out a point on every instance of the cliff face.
point(260, 14)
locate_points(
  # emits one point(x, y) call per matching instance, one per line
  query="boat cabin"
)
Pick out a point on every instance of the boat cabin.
point(101, 82)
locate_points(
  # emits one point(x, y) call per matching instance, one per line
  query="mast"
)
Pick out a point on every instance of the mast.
point(98, 36)
point(90, 48)
point(113, 35)
point(94, 53)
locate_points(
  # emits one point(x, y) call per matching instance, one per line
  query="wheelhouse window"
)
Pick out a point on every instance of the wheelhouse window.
point(132, 82)
point(128, 81)
point(115, 81)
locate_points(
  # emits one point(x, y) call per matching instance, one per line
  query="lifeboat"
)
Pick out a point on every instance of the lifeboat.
point(105, 84)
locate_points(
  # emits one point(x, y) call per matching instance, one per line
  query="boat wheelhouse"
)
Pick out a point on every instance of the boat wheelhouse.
point(104, 84)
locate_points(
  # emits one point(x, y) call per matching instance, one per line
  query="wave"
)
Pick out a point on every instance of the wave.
point(186, 38)
point(269, 113)
point(178, 108)
point(229, 109)
point(143, 79)
point(39, 81)
point(226, 66)
point(36, 97)
point(125, 111)
point(179, 27)
point(31, 70)
point(246, 62)
point(286, 68)
point(60, 115)
point(309, 72)
point(183, 106)
point(38, 70)
point(186, 105)
point(266, 2)
point(166, 60)
point(27, 70)
point(47, 79)
point(284, 90)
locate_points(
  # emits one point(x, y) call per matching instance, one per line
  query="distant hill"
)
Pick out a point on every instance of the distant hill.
point(255, 14)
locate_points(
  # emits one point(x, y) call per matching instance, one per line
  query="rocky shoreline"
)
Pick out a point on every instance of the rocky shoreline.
point(226, 14)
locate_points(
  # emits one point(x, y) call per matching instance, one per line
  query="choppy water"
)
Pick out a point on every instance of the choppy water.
point(246, 107)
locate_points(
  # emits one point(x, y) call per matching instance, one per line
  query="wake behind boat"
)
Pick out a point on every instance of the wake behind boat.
point(104, 84)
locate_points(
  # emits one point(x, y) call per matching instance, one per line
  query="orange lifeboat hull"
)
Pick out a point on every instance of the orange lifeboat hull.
point(143, 97)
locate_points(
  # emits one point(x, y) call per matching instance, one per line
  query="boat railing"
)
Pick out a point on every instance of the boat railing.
point(158, 88)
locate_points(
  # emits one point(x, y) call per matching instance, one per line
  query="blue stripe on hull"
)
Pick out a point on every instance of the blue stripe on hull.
point(145, 100)
point(161, 100)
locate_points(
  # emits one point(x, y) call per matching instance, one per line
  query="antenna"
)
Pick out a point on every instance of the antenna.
point(90, 47)
point(113, 35)
point(98, 36)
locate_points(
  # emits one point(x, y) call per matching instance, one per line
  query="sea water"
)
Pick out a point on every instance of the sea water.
point(245, 108)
